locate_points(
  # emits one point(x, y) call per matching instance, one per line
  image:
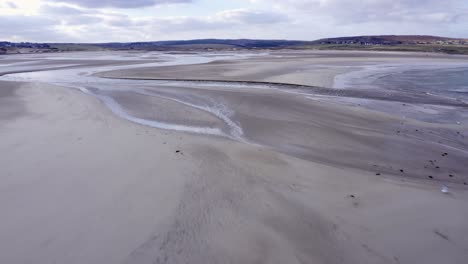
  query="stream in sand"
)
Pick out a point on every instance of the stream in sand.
point(329, 183)
point(360, 86)
point(324, 125)
point(82, 77)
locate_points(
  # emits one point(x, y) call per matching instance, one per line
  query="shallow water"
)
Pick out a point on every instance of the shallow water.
point(279, 116)
point(448, 80)
point(82, 77)
point(451, 82)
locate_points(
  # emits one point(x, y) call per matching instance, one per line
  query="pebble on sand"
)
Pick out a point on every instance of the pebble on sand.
point(444, 189)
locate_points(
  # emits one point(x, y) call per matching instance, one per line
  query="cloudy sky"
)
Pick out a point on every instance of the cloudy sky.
point(145, 20)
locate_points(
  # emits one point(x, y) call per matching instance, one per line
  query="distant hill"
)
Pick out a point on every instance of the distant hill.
point(23, 47)
point(384, 42)
point(393, 40)
point(207, 43)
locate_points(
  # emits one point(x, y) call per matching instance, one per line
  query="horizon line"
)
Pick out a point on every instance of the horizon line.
point(266, 39)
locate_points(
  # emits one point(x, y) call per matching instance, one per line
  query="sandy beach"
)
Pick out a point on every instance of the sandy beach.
point(114, 158)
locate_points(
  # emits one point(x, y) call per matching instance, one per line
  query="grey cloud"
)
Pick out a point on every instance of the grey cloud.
point(351, 11)
point(255, 17)
point(11, 5)
point(120, 21)
point(29, 28)
point(225, 20)
point(83, 20)
point(120, 3)
point(298, 19)
point(80, 28)
point(71, 15)
point(61, 10)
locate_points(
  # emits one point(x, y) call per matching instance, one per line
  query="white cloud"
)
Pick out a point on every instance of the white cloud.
point(120, 3)
point(364, 11)
point(106, 20)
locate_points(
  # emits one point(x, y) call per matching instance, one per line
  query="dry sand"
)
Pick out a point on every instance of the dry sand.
point(80, 185)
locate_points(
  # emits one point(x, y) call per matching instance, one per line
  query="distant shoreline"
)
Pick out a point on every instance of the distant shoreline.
point(451, 50)
point(413, 43)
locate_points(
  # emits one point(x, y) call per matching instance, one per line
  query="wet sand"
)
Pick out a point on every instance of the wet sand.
point(350, 73)
point(295, 178)
point(315, 68)
point(10, 106)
